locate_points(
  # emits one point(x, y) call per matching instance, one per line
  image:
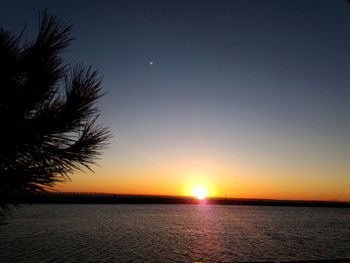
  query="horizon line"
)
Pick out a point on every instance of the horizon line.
point(208, 197)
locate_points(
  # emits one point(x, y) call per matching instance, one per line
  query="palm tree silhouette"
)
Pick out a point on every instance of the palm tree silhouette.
point(47, 110)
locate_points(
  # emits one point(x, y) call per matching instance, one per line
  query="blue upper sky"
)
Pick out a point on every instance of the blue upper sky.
point(270, 78)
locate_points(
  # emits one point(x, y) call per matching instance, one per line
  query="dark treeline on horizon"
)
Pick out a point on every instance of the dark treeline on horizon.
point(104, 198)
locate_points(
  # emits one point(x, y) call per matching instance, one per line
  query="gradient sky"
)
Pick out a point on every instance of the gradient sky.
point(248, 98)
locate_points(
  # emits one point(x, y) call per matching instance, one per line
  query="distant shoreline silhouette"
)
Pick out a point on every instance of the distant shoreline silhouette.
point(103, 198)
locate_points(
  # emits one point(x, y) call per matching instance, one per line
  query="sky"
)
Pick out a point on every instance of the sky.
point(249, 99)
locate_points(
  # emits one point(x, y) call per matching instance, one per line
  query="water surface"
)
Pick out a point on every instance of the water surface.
point(173, 233)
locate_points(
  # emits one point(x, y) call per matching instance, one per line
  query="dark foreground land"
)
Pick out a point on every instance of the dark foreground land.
point(101, 198)
point(345, 260)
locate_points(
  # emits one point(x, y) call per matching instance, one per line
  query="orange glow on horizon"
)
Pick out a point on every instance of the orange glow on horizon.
point(239, 183)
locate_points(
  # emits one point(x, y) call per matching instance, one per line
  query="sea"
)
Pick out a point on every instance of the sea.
point(173, 233)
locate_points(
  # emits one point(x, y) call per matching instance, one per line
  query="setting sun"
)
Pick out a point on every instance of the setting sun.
point(200, 192)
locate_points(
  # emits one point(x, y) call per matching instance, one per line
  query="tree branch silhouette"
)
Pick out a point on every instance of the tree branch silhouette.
point(48, 111)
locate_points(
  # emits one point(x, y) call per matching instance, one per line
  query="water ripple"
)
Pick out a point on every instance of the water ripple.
point(174, 233)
